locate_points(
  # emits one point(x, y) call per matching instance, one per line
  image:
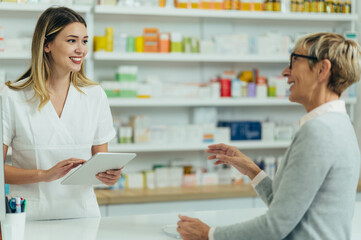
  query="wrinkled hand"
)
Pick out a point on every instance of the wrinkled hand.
point(61, 169)
point(192, 228)
point(227, 154)
point(110, 177)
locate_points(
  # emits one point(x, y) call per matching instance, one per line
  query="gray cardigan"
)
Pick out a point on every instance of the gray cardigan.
point(313, 193)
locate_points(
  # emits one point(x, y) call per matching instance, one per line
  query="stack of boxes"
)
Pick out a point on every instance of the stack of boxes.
point(127, 77)
point(151, 38)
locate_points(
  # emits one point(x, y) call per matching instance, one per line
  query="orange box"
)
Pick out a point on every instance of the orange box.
point(164, 42)
point(205, 4)
point(227, 4)
point(151, 38)
point(194, 3)
point(183, 4)
point(218, 5)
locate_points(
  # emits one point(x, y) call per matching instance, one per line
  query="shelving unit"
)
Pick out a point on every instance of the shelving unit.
point(188, 57)
point(182, 67)
point(15, 55)
point(37, 7)
point(187, 68)
point(196, 147)
point(195, 13)
point(189, 102)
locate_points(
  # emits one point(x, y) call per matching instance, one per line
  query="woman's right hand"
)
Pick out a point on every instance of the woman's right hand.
point(226, 154)
point(61, 169)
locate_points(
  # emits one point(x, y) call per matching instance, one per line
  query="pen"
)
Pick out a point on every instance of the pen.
point(18, 204)
point(12, 205)
point(25, 203)
point(7, 205)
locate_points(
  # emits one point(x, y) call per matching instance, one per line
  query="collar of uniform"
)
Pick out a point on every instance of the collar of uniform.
point(333, 106)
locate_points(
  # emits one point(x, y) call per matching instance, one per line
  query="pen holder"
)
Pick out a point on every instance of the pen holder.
point(13, 227)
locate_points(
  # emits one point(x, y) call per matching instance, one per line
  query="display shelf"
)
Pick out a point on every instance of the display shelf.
point(106, 197)
point(189, 102)
point(33, 7)
point(248, 15)
point(252, 144)
point(15, 55)
point(188, 57)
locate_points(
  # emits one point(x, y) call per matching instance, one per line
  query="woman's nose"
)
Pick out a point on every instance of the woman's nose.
point(286, 71)
point(80, 48)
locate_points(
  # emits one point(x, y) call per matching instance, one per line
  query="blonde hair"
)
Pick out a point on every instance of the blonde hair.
point(49, 25)
point(344, 55)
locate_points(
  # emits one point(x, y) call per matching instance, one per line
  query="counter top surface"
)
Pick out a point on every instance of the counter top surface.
point(106, 197)
point(144, 226)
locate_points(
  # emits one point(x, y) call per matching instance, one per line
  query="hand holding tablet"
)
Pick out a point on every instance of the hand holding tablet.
point(100, 162)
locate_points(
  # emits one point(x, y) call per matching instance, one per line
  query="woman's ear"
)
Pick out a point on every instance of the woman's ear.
point(324, 71)
point(46, 46)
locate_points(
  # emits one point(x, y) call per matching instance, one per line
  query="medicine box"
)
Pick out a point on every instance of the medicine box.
point(243, 130)
point(151, 37)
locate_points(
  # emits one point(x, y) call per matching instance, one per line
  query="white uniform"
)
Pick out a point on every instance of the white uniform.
point(40, 140)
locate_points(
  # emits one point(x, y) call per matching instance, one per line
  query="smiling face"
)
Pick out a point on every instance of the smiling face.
point(68, 50)
point(302, 80)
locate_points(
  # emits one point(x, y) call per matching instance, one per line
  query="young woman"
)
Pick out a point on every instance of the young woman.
point(54, 118)
point(313, 193)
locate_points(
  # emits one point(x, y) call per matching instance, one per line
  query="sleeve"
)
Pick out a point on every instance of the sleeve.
point(264, 190)
point(8, 119)
point(105, 129)
point(211, 233)
point(310, 159)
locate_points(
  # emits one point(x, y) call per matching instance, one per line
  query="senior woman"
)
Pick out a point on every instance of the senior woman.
point(313, 193)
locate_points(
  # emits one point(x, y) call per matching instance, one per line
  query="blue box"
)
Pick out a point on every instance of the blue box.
point(243, 130)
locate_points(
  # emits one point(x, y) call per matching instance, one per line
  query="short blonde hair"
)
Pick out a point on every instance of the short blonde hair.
point(344, 55)
point(49, 25)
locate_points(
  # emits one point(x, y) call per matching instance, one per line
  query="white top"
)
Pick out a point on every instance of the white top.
point(333, 106)
point(40, 140)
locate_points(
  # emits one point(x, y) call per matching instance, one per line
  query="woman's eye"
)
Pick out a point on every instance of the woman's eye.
point(85, 41)
point(71, 40)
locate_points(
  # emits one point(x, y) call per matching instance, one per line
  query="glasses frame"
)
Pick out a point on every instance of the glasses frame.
point(302, 56)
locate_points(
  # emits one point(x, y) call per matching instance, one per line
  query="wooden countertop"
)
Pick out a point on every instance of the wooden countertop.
point(106, 197)
point(116, 196)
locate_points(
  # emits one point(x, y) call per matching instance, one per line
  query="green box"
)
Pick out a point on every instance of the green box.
point(128, 93)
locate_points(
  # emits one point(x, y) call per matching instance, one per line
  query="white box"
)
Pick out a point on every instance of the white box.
point(135, 180)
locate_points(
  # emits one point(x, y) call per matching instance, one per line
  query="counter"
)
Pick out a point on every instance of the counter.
point(144, 226)
point(106, 197)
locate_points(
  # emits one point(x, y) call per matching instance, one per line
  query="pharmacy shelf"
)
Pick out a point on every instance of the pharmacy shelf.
point(248, 15)
point(29, 7)
point(195, 147)
point(15, 55)
point(188, 102)
point(189, 57)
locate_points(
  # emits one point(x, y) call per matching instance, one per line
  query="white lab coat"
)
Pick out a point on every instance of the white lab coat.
point(39, 140)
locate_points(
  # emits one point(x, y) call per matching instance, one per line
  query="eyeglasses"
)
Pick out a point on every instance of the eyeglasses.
point(302, 56)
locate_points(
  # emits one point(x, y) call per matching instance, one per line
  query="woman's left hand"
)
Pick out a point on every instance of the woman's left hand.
point(110, 177)
point(192, 228)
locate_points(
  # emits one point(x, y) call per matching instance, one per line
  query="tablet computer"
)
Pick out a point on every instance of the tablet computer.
point(99, 162)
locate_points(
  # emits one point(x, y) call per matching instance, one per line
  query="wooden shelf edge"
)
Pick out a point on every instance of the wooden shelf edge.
point(171, 194)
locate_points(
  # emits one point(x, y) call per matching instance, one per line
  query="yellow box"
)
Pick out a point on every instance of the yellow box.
point(139, 44)
point(100, 43)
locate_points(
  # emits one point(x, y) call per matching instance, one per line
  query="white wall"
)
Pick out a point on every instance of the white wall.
point(357, 121)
